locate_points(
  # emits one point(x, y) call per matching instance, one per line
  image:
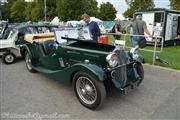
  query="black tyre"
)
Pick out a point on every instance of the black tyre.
point(8, 58)
point(29, 63)
point(90, 92)
point(140, 71)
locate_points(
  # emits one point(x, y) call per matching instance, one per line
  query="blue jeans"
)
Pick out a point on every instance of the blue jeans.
point(134, 41)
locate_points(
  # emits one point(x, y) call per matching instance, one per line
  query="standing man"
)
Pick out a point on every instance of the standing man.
point(139, 27)
point(93, 28)
point(117, 29)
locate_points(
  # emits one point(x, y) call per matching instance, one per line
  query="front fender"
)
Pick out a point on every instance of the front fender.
point(140, 59)
point(93, 70)
point(66, 75)
point(23, 49)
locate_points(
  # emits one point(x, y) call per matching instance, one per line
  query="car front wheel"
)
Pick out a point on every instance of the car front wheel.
point(29, 63)
point(90, 92)
point(8, 58)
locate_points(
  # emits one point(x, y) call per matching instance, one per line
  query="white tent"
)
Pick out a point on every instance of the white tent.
point(55, 20)
point(93, 19)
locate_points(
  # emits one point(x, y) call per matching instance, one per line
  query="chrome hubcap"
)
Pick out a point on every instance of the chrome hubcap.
point(9, 58)
point(86, 90)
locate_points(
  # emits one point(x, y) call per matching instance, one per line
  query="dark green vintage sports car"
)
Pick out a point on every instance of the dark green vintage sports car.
point(91, 68)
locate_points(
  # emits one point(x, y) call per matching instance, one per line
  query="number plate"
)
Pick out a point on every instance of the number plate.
point(130, 88)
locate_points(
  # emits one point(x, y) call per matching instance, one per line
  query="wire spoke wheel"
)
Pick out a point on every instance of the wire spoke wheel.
point(29, 63)
point(86, 90)
point(89, 91)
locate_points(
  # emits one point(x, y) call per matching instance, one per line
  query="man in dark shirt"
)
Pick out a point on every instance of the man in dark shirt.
point(93, 27)
point(139, 28)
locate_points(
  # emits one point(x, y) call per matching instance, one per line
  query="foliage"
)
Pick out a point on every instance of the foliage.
point(28, 13)
point(69, 10)
point(135, 5)
point(90, 7)
point(17, 10)
point(107, 11)
point(35, 10)
point(73, 9)
point(175, 4)
point(51, 9)
point(5, 10)
point(38, 10)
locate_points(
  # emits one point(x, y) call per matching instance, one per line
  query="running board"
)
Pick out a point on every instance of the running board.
point(43, 70)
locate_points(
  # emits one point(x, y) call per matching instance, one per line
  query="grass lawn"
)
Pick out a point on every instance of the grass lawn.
point(171, 54)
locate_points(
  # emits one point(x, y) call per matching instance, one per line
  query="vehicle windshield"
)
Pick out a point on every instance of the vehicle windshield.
point(31, 30)
point(43, 29)
point(72, 33)
point(2, 27)
point(8, 33)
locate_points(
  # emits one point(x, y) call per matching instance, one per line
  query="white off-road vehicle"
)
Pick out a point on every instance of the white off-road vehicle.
point(8, 50)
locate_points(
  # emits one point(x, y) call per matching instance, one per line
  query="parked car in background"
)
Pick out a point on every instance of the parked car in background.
point(8, 49)
point(12, 37)
point(91, 68)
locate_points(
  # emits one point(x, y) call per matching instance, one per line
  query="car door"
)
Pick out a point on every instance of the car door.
point(53, 60)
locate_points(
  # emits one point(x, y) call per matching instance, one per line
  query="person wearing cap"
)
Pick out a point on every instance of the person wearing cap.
point(128, 25)
point(117, 29)
point(93, 28)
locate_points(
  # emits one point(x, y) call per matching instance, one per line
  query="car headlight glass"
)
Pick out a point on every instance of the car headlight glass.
point(112, 60)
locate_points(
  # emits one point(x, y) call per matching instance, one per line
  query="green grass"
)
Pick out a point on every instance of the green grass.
point(171, 54)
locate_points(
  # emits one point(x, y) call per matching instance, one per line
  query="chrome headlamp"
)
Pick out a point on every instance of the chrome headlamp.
point(133, 53)
point(112, 59)
point(135, 56)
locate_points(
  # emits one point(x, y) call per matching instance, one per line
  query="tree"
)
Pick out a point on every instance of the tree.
point(175, 4)
point(90, 7)
point(38, 10)
point(17, 10)
point(73, 9)
point(28, 13)
point(51, 9)
point(135, 5)
point(5, 10)
point(107, 11)
point(69, 10)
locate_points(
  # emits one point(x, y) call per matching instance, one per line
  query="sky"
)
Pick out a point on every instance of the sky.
point(121, 6)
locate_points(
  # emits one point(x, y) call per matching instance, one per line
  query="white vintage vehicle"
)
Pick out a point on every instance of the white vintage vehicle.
point(8, 50)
